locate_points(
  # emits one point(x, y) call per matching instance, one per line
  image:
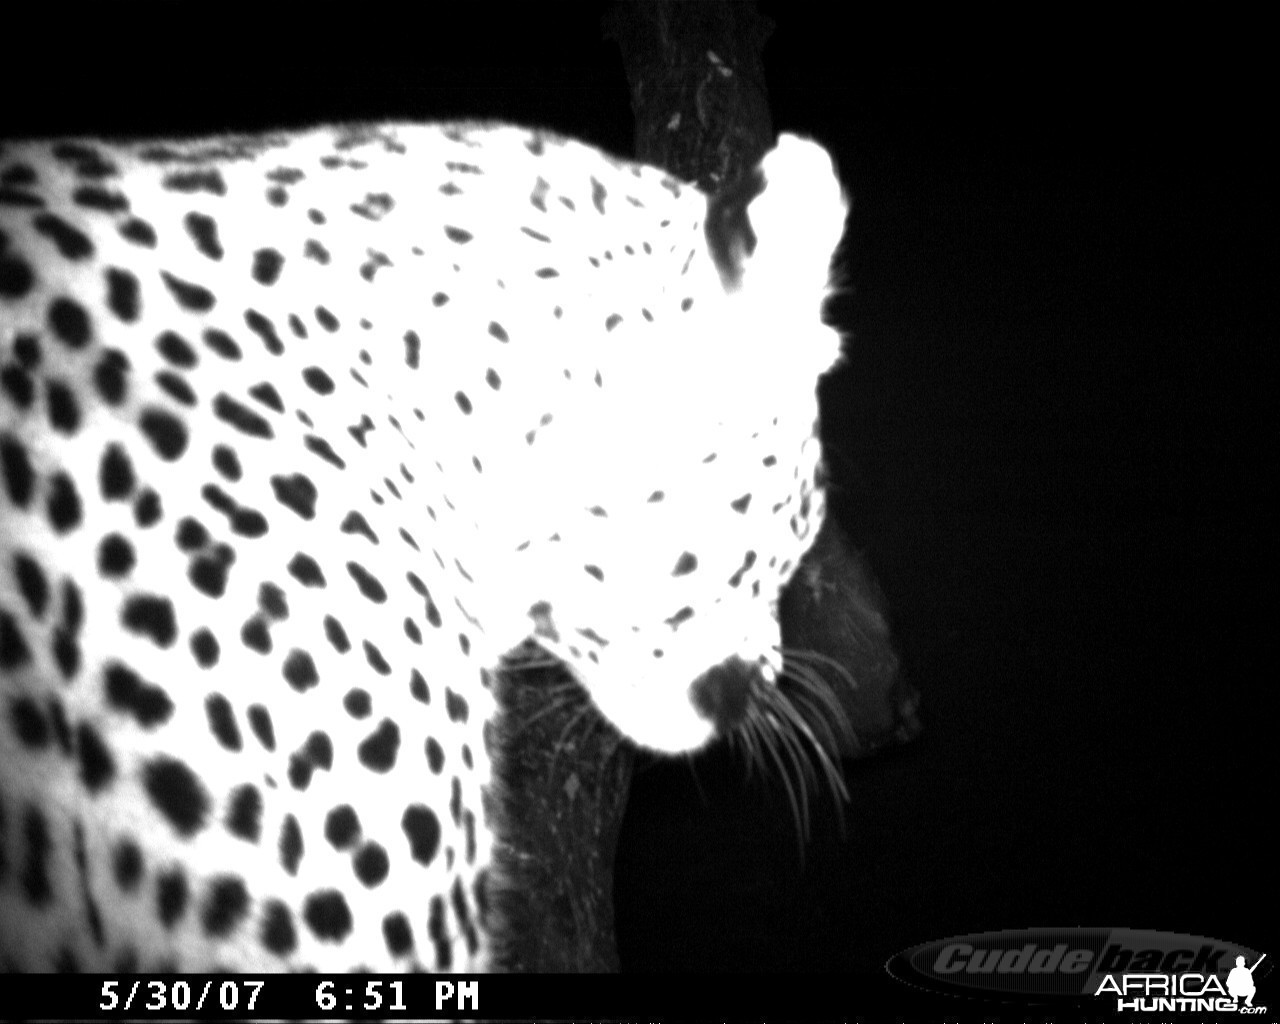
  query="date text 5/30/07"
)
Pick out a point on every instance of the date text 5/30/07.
point(153, 996)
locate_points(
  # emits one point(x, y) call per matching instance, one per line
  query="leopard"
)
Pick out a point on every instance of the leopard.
point(302, 433)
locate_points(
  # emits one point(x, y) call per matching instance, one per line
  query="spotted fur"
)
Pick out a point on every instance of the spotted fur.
point(298, 434)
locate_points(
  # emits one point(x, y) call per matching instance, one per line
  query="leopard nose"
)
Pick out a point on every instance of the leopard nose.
point(722, 694)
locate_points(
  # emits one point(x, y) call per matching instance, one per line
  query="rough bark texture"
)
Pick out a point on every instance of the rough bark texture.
point(834, 607)
point(697, 86)
point(561, 789)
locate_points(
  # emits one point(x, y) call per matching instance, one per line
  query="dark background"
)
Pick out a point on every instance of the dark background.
point(1050, 431)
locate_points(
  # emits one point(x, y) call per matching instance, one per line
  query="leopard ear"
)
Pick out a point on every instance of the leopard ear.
point(781, 222)
point(799, 217)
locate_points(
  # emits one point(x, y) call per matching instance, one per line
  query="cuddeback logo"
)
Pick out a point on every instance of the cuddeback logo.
point(1131, 970)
